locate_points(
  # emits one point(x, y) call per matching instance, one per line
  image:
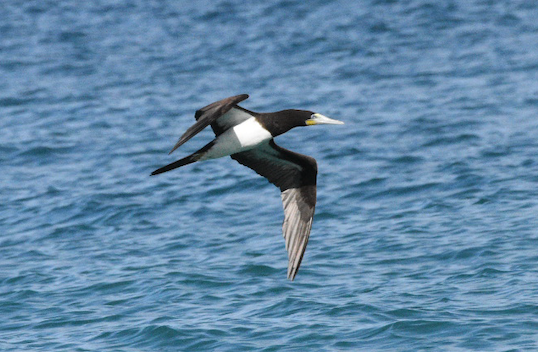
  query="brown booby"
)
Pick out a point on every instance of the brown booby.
point(247, 137)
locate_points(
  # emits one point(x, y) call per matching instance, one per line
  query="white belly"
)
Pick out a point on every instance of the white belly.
point(245, 136)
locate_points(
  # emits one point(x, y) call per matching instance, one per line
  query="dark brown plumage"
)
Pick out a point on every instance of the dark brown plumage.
point(247, 137)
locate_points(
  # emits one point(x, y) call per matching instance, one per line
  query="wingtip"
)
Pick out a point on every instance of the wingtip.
point(292, 272)
point(178, 144)
point(241, 97)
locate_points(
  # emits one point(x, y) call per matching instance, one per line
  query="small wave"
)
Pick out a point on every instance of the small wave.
point(457, 139)
point(404, 191)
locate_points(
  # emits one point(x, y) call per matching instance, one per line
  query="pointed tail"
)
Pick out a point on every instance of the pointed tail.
point(185, 161)
point(182, 162)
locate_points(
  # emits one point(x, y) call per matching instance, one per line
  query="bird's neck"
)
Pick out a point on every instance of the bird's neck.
point(280, 125)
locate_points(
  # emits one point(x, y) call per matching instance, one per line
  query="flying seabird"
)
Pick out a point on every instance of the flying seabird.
point(247, 137)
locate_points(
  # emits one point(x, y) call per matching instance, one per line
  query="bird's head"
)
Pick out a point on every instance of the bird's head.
point(281, 122)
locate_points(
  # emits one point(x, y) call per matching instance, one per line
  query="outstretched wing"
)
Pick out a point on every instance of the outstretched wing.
point(295, 174)
point(208, 115)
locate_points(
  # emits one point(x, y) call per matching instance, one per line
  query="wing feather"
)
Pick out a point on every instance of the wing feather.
point(297, 224)
point(295, 175)
point(207, 115)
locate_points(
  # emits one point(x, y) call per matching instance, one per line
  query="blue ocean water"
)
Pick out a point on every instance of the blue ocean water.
point(425, 236)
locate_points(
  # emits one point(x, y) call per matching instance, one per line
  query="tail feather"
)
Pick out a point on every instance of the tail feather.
point(182, 162)
point(186, 160)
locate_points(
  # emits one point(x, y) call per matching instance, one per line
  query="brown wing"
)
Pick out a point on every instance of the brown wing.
point(207, 115)
point(295, 174)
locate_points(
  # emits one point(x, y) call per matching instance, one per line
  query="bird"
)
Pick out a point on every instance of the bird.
point(248, 137)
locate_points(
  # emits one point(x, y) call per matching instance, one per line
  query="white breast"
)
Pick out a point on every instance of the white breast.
point(245, 136)
point(250, 133)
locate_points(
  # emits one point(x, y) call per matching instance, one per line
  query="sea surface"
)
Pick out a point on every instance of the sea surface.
point(425, 236)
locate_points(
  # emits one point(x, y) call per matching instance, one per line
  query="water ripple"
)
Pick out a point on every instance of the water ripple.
point(425, 230)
